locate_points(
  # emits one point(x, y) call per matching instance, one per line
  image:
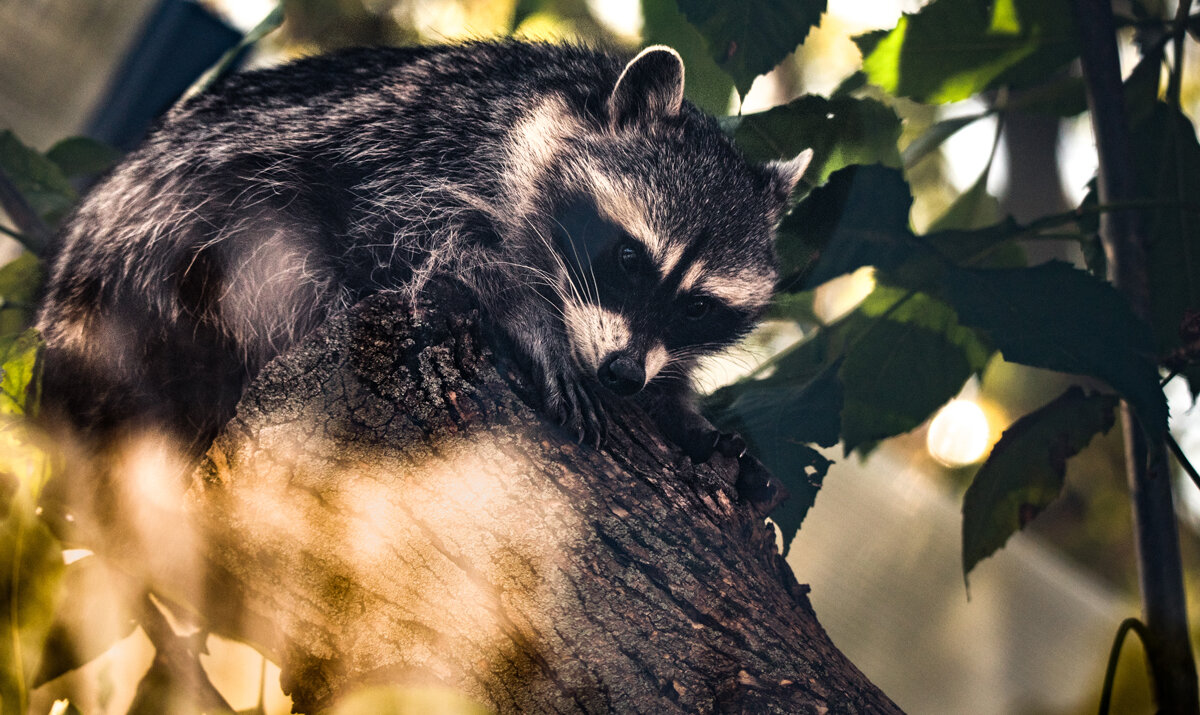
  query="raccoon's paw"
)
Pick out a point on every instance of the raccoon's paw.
point(575, 406)
point(700, 445)
point(757, 486)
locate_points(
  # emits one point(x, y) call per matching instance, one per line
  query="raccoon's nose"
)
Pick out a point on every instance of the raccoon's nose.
point(622, 375)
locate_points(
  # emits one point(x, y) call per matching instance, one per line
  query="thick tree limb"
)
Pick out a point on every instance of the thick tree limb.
point(385, 507)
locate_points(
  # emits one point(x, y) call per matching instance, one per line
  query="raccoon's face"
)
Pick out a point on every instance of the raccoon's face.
point(664, 234)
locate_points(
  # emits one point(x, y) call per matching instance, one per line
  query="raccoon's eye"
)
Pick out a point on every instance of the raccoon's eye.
point(697, 308)
point(629, 256)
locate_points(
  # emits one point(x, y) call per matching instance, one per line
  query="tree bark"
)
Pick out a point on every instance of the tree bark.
point(387, 508)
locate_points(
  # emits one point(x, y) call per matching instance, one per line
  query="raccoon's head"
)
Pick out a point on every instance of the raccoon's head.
point(664, 232)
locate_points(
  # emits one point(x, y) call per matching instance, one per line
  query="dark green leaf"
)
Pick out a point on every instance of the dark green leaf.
point(706, 85)
point(1057, 317)
point(953, 49)
point(81, 156)
point(1166, 157)
point(779, 416)
point(94, 613)
point(1025, 470)
point(747, 39)
point(859, 218)
point(908, 356)
point(38, 179)
point(842, 132)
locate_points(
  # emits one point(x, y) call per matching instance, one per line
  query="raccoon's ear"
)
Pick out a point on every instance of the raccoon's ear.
point(784, 175)
point(650, 87)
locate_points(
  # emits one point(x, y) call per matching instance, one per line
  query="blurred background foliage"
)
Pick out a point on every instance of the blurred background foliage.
point(963, 154)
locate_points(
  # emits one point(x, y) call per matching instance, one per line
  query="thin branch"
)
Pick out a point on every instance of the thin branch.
point(1182, 459)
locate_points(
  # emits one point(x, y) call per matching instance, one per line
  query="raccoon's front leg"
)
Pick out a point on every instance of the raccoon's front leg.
point(673, 408)
point(674, 412)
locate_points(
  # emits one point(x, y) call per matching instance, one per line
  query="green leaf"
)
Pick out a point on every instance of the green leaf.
point(1024, 473)
point(908, 356)
point(706, 85)
point(749, 38)
point(81, 156)
point(1057, 317)
point(953, 49)
point(842, 132)
point(20, 281)
point(93, 614)
point(38, 179)
point(859, 218)
point(20, 373)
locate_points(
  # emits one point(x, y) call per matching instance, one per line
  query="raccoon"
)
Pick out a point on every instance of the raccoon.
point(609, 231)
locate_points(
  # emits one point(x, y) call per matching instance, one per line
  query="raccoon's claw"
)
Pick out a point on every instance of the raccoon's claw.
point(702, 444)
point(755, 484)
point(573, 405)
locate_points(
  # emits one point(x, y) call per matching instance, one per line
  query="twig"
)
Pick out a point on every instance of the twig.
point(1114, 656)
point(1182, 459)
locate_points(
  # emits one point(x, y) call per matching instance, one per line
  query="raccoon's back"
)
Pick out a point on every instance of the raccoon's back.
point(255, 208)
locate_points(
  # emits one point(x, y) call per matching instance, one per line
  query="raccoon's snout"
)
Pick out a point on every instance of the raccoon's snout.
point(622, 374)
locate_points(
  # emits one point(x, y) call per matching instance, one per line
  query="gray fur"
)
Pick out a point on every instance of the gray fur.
point(283, 194)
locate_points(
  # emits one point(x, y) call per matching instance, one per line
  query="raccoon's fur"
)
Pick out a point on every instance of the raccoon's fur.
point(605, 226)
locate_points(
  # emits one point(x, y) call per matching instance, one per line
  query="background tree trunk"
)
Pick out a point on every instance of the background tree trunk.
point(386, 507)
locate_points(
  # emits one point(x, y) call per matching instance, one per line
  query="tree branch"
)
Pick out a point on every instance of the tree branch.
point(385, 507)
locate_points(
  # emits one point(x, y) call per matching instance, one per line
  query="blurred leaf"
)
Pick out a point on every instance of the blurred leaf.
point(859, 218)
point(38, 179)
point(93, 614)
point(407, 700)
point(1058, 317)
point(1024, 472)
point(974, 208)
point(953, 49)
point(933, 137)
point(20, 281)
point(81, 156)
point(30, 568)
point(842, 132)
point(706, 84)
point(749, 38)
point(909, 357)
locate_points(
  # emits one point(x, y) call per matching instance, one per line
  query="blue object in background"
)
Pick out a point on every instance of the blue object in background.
point(179, 41)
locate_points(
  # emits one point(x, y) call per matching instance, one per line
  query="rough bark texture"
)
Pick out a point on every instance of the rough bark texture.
point(386, 507)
